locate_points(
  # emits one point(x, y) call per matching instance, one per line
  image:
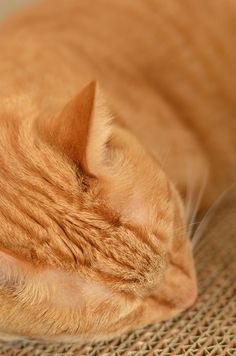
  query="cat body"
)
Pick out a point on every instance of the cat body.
point(93, 239)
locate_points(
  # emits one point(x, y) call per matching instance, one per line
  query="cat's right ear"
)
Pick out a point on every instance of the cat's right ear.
point(11, 267)
point(82, 129)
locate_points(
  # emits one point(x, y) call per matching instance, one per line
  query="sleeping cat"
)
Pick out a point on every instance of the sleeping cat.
point(97, 180)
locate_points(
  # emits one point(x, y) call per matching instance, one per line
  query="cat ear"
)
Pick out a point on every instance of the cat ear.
point(82, 129)
point(10, 266)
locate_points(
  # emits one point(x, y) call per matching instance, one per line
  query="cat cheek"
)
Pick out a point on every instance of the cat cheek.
point(136, 212)
point(73, 291)
point(133, 207)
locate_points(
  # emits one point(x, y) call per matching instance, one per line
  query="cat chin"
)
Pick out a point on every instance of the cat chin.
point(11, 338)
point(58, 339)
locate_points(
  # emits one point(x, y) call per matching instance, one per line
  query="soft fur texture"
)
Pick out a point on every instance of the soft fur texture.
point(93, 204)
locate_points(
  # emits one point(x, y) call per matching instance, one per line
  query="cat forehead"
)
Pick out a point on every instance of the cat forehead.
point(48, 228)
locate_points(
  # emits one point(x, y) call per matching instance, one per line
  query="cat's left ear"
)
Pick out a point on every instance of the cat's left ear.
point(82, 130)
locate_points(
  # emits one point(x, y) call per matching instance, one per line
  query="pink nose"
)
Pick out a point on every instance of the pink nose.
point(189, 298)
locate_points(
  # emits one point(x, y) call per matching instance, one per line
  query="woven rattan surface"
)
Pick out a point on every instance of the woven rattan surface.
point(208, 328)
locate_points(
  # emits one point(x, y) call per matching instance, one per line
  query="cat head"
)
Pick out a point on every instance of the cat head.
point(92, 239)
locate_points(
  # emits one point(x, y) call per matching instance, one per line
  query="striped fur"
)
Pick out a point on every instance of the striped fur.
point(93, 239)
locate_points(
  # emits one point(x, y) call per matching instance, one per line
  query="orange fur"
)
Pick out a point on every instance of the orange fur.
point(93, 235)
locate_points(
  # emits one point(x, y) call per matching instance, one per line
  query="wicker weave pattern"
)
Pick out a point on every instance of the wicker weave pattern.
point(208, 328)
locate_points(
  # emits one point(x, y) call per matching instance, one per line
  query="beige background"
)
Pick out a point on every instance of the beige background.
point(8, 6)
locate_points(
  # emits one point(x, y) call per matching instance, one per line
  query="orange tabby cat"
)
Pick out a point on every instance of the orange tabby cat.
point(93, 237)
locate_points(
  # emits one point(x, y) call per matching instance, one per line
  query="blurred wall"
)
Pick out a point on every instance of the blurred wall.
point(9, 6)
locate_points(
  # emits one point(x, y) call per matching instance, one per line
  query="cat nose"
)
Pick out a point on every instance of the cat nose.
point(189, 297)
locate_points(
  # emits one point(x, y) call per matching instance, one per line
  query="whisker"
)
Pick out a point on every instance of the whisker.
point(183, 228)
point(191, 225)
point(197, 204)
point(163, 158)
point(207, 217)
point(189, 196)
